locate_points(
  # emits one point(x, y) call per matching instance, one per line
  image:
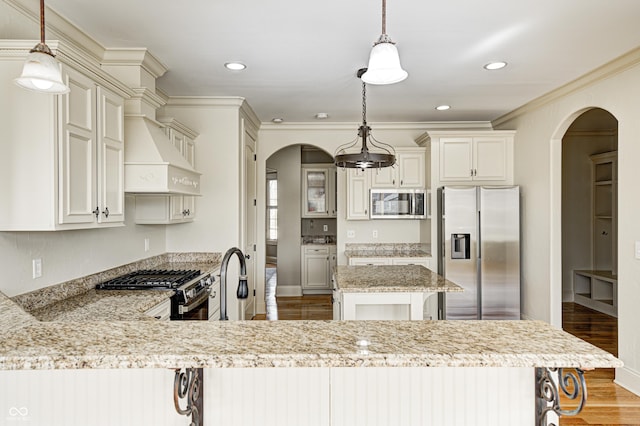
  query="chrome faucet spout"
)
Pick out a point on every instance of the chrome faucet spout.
point(243, 288)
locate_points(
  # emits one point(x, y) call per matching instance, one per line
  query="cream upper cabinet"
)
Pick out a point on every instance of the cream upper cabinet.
point(409, 171)
point(163, 208)
point(357, 194)
point(475, 158)
point(318, 191)
point(66, 172)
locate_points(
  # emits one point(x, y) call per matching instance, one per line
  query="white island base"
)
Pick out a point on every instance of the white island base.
point(344, 396)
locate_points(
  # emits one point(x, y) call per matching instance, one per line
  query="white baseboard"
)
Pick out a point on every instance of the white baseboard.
point(288, 291)
point(628, 379)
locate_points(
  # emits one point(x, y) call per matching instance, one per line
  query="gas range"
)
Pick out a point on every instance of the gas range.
point(191, 287)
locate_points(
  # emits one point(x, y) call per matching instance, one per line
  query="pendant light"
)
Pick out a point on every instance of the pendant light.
point(41, 71)
point(384, 61)
point(384, 154)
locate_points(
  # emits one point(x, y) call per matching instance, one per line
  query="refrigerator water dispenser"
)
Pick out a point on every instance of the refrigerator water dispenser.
point(460, 244)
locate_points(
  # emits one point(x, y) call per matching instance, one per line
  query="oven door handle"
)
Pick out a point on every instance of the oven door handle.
point(195, 303)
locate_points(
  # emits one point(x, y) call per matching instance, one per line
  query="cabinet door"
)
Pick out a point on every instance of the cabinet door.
point(177, 210)
point(315, 184)
point(77, 183)
point(490, 158)
point(331, 192)
point(110, 156)
point(386, 177)
point(357, 194)
point(411, 168)
point(368, 261)
point(456, 159)
point(424, 261)
point(315, 270)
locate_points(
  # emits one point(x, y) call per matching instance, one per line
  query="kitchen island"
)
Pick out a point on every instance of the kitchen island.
point(394, 292)
point(288, 372)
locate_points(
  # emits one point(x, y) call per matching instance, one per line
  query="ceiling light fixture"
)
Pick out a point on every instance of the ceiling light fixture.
point(443, 107)
point(495, 65)
point(277, 120)
point(235, 66)
point(384, 61)
point(322, 116)
point(41, 71)
point(384, 156)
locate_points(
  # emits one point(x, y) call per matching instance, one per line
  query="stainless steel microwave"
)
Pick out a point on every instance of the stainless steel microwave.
point(398, 204)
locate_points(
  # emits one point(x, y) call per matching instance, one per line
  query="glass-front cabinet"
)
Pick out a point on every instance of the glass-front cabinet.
point(319, 191)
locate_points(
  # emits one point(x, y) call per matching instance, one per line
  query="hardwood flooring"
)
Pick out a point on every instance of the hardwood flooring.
point(607, 403)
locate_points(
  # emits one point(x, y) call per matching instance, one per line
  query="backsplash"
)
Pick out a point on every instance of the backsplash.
point(315, 227)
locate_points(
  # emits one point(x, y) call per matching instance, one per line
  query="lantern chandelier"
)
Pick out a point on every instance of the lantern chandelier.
point(384, 154)
point(384, 61)
point(41, 71)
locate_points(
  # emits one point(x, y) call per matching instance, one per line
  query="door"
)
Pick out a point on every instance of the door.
point(456, 159)
point(77, 155)
point(500, 252)
point(250, 219)
point(490, 158)
point(460, 225)
point(110, 156)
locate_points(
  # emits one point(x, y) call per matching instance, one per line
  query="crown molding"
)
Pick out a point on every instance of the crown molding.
point(419, 126)
point(205, 101)
point(135, 57)
point(179, 126)
point(616, 66)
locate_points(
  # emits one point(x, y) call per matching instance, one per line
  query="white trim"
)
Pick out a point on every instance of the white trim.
point(628, 379)
point(288, 291)
point(424, 126)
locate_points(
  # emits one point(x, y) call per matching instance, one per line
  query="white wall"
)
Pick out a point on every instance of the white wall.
point(540, 127)
point(72, 254)
point(287, 163)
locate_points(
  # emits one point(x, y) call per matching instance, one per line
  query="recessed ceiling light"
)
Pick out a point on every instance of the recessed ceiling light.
point(277, 120)
point(495, 65)
point(443, 107)
point(235, 66)
point(322, 115)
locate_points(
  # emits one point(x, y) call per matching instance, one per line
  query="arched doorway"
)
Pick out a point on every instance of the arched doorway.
point(285, 222)
point(589, 228)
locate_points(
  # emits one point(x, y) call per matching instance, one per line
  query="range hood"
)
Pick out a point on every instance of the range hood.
point(152, 163)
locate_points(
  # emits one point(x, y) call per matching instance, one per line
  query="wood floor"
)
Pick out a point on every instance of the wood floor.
point(607, 403)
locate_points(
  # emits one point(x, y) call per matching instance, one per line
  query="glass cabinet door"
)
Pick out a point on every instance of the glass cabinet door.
point(316, 192)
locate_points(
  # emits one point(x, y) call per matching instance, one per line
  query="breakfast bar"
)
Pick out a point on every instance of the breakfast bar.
point(330, 372)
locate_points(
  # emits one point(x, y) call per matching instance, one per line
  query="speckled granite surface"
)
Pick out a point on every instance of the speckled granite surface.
point(156, 344)
point(104, 305)
point(387, 250)
point(49, 295)
point(387, 278)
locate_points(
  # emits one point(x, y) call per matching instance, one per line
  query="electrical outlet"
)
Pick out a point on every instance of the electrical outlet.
point(637, 249)
point(146, 244)
point(375, 233)
point(325, 228)
point(37, 268)
point(351, 233)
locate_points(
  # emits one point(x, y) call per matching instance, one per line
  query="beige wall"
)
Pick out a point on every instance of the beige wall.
point(287, 163)
point(540, 127)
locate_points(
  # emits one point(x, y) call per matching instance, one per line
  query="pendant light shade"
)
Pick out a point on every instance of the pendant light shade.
point(384, 61)
point(41, 71)
point(380, 155)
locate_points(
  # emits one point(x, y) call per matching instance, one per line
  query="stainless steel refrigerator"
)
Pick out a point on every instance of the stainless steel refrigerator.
point(479, 237)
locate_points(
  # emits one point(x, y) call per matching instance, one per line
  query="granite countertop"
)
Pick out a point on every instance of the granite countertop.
point(387, 250)
point(388, 279)
point(215, 344)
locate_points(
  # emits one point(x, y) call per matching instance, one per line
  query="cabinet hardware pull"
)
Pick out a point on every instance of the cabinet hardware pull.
point(96, 212)
point(158, 317)
point(471, 172)
point(106, 212)
point(247, 256)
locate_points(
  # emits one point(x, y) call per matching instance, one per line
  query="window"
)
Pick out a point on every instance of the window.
point(272, 206)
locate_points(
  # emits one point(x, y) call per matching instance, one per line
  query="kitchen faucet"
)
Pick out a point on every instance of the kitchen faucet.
point(243, 289)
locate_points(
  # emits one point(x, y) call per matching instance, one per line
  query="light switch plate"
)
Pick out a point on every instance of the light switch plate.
point(37, 268)
point(637, 249)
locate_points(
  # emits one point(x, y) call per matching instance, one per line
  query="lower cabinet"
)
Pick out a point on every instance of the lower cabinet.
point(316, 269)
point(162, 311)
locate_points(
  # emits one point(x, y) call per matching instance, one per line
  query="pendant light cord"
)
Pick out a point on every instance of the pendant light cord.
point(384, 16)
point(42, 21)
point(364, 104)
